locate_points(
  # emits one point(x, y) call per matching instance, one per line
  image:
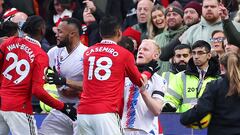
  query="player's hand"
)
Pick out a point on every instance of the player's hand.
point(70, 111)
point(55, 78)
point(151, 67)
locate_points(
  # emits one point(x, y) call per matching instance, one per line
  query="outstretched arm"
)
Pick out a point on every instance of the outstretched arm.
point(229, 29)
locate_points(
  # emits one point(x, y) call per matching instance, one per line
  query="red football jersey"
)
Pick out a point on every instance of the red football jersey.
point(22, 74)
point(105, 66)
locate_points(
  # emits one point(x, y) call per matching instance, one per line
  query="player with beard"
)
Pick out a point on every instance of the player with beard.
point(66, 59)
point(187, 86)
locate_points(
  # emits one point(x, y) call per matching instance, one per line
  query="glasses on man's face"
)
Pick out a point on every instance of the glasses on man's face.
point(217, 40)
point(199, 53)
point(180, 55)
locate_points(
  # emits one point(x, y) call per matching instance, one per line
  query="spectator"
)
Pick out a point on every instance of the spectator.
point(101, 101)
point(15, 16)
point(232, 7)
point(217, 43)
point(192, 13)
point(221, 100)
point(19, 84)
point(127, 43)
point(144, 8)
point(189, 85)
point(185, 2)
point(135, 36)
point(1, 7)
point(131, 16)
point(182, 54)
point(57, 10)
point(142, 106)
point(174, 18)
point(26, 6)
point(90, 33)
point(203, 29)
point(66, 60)
point(210, 21)
point(114, 8)
point(230, 31)
point(156, 23)
point(230, 47)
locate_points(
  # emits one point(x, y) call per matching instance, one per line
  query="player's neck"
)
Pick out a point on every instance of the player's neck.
point(73, 46)
point(38, 38)
point(112, 39)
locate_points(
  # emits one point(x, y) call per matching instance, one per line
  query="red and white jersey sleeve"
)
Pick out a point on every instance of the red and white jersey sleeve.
point(105, 67)
point(22, 75)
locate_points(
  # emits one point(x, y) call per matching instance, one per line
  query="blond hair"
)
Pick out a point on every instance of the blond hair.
point(152, 29)
point(158, 49)
point(231, 62)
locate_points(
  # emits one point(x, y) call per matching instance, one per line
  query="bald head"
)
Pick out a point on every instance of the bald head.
point(19, 17)
point(144, 8)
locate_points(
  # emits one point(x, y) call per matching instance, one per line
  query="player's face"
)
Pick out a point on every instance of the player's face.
point(62, 35)
point(147, 51)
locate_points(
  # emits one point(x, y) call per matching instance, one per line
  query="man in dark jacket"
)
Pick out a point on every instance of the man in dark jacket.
point(220, 99)
point(187, 86)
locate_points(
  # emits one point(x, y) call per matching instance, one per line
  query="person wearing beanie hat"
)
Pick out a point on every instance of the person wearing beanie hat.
point(174, 9)
point(174, 19)
point(134, 35)
point(192, 13)
point(9, 14)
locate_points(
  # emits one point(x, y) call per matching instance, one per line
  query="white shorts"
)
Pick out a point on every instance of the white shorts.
point(18, 123)
point(99, 124)
point(140, 132)
point(57, 123)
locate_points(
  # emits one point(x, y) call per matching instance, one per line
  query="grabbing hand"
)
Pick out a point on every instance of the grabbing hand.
point(55, 78)
point(70, 111)
point(151, 67)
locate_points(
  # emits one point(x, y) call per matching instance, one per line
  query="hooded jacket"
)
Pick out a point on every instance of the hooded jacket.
point(184, 90)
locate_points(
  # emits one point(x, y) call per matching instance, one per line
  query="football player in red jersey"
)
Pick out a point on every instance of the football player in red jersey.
point(105, 66)
point(23, 66)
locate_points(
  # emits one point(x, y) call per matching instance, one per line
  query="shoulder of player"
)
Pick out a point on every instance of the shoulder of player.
point(52, 50)
point(110, 48)
point(156, 78)
point(10, 40)
point(82, 47)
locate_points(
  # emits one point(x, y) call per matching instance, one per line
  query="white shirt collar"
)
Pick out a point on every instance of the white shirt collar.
point(33, 40)
point(108, 42)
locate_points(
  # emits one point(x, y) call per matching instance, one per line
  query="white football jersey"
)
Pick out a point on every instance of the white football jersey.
point(68, 65)
point(135, 113)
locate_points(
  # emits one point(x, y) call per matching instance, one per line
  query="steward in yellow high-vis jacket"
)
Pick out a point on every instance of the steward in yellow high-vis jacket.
point(188, 86)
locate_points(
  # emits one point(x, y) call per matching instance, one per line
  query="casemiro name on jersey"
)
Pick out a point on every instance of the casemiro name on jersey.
point(103, 49)
point(24, 48)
